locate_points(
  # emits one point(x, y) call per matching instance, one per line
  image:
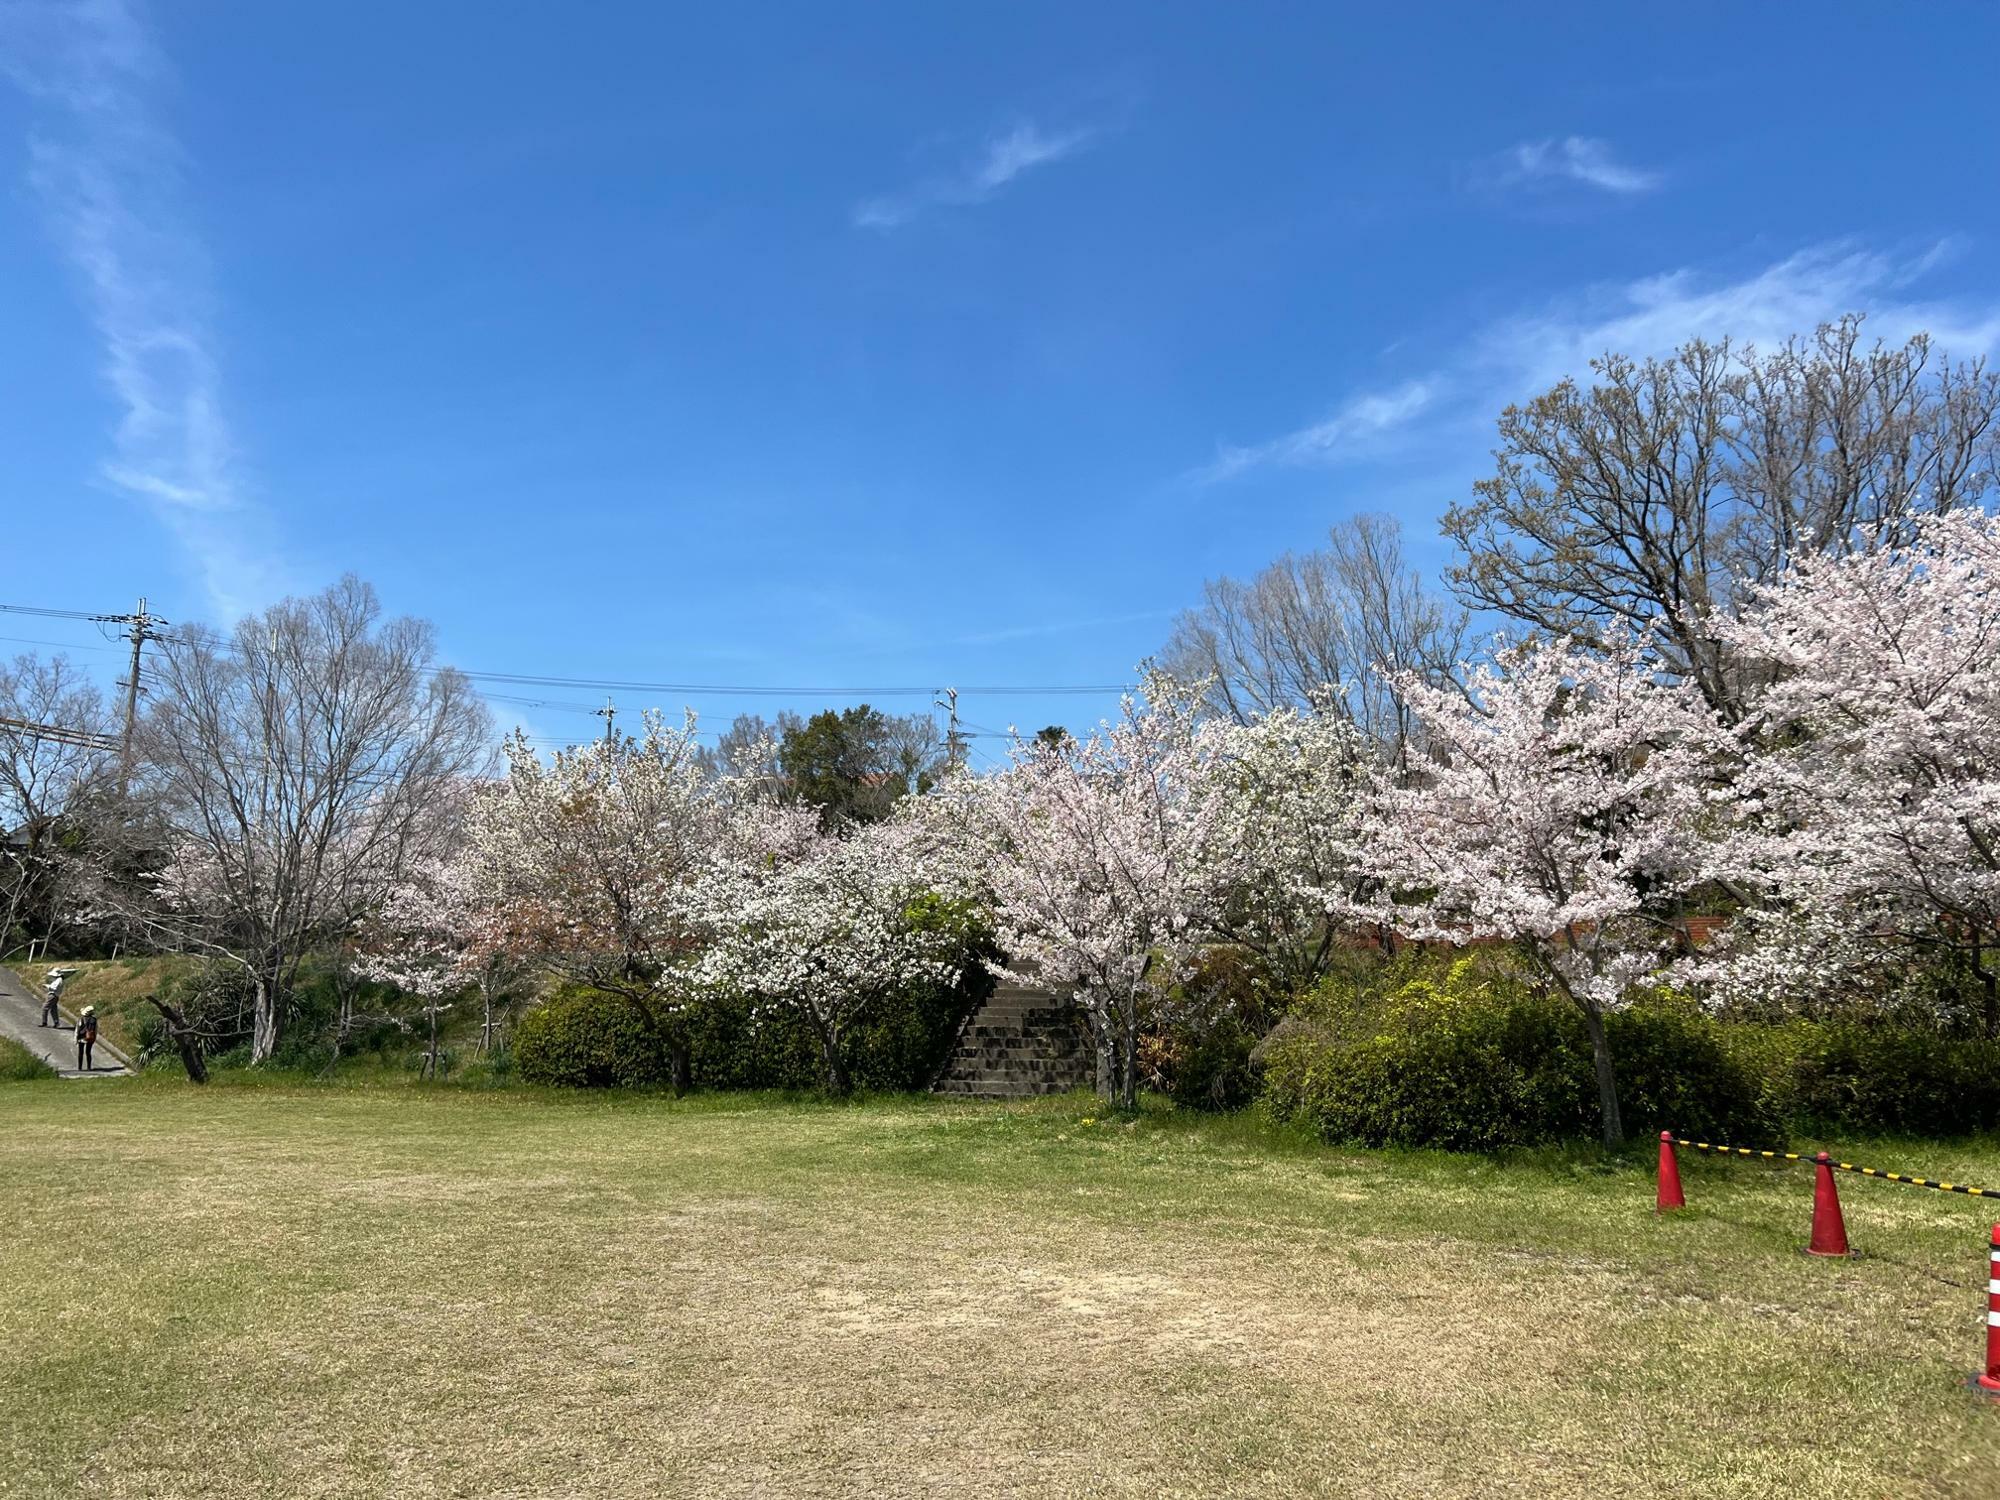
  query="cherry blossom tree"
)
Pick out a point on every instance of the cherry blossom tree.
point(1279, 863)
point(1090, 862)
point(441, 932)
point(591, 861)
point(1866, 829)
point(817, 921)
point(1556, 808)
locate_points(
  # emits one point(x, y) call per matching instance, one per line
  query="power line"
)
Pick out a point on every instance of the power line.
point(695, 689)
point(82, 739)
point(53, 614)
point(758, 690)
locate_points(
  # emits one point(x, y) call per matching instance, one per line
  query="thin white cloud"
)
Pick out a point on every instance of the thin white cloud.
point(1789, 297)
point(108, 174)
point(1000, 161)
point(1340, 437)
point(1574, 158)
point(1449, 408)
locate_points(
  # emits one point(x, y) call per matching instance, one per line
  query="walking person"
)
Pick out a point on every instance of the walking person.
point(86, 1038)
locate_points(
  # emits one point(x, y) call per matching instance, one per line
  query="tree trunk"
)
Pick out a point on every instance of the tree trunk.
point(263, 1018)
point(1607, 1083)
point(431, 1062)
point(485, 1019)
point(13, 905)
point(1107, 1053)
point(1130, 1042)
point(681, 1063)
point(836, 1066)
point(183, 1038)
point(1989, 979)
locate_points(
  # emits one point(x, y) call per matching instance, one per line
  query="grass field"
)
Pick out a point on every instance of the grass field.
point(287, 1290)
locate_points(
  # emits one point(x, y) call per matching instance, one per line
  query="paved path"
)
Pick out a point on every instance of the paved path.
point(20, 1011)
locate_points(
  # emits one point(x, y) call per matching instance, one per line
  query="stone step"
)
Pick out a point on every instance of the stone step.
point(1005, 1088)
point(991, 1053)
point(1041, 1041)
point(1019, 1044)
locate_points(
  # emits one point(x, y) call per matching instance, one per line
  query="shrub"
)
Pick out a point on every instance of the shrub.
point(582, 1038)
point(1459, 1054)
point(1209, 1068)
point(1201, 1059)
point(1452, 1076)
point(1877, 1079)
point(1675, 1072)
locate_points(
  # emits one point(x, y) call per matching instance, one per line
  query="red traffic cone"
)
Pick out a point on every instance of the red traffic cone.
point(1990, 1380)
point(1668, 1195)
point(1829, 1231)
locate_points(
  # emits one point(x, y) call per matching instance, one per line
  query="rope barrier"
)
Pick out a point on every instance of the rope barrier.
point(1923, 1182)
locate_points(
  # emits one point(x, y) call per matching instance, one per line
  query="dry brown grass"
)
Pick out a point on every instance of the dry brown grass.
point(393, 1292)
point(116, 986)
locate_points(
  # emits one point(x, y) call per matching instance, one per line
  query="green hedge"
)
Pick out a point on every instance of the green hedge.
point(1466, 1058)
point(1460, 1054)
point(1861, 1079)
point(585, 1038)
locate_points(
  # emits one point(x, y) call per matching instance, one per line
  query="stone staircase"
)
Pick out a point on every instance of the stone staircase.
point(1021, 1042)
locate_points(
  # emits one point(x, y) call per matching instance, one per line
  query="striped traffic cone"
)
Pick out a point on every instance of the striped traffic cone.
point(1990, 1381)
point(1668, 1195)
point(1829, 1230)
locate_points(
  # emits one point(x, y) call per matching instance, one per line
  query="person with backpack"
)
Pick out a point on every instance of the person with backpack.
point(86, 1038)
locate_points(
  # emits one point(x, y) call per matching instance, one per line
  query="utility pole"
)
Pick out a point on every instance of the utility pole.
point(139, 629)
point(607, 713)
point(954, 741)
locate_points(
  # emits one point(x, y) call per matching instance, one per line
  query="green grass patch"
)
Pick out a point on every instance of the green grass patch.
point(19, 1065)
point(378, 1288)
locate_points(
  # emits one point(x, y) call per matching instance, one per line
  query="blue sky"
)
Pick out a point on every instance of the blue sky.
point(890, 346)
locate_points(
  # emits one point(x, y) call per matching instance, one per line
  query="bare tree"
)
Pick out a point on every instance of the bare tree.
point(1650, 497)
point(749, 746)
point(913, 751)
point(55, 770)
point(1334, 617)
point(300, 765)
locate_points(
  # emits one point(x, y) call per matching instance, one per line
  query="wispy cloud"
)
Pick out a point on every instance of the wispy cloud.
point(1001, 160)
point(109, 176)
point(1450, 407)
point(1575, 158)
point(1345, 434)
point(1792, 296)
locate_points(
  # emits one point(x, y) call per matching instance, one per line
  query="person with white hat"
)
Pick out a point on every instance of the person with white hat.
point(86, 1038)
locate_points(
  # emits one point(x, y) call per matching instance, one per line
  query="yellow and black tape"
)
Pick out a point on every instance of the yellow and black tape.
point(1844, 1166)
